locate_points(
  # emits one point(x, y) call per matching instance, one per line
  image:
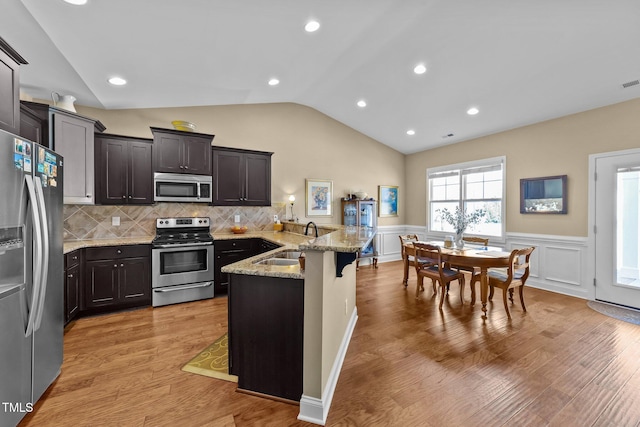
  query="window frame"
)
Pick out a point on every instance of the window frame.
point(459, 168)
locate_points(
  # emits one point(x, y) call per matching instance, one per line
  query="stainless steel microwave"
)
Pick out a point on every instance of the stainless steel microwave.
point(177, 187)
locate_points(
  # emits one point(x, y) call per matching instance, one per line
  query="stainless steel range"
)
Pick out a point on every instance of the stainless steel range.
point(181, 261)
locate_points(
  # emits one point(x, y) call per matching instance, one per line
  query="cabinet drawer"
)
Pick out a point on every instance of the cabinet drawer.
point(72, 259)
point(225, 245)
point(116, 252)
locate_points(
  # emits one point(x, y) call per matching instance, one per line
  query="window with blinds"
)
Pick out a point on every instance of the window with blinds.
point(469, 186)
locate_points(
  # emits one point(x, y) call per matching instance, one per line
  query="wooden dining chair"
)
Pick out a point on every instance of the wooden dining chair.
point(511, 277)
point(475, 271)
point(403, 240)
point(428, 263)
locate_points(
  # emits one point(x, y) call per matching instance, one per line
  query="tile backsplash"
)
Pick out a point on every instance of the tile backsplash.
point(82, 222)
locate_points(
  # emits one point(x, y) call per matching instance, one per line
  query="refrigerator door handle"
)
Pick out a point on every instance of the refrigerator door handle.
point(37, 261)
point(45, 252)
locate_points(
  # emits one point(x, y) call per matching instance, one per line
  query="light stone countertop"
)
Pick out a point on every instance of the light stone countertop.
point(344, 239)
point(72, 245)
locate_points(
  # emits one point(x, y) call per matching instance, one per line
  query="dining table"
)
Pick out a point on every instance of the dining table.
point(481, 257)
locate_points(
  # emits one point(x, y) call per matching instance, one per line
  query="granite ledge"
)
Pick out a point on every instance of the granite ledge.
point(72, 245)
point(344, 239)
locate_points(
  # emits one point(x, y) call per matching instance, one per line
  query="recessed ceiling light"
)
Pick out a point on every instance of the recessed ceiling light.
point(76, 2)
point(274, 82)
point(117, 81)
point(312, 26)
point(472, 111)
point(420, 69)
point(362, 103)
point(411, 132)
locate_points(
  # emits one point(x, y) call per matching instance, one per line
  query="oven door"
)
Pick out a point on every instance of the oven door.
point(181, 264)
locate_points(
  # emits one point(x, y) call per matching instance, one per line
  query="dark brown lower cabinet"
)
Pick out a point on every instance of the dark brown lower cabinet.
point(72, 285)
point(266, 316)
point(117, 277)
point(233, 250)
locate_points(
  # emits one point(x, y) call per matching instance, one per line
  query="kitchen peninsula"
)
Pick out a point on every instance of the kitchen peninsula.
point(318, 322)
point(322, 298)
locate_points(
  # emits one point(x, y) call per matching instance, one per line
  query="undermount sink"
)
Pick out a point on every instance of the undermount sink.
point(288, 253)
point(278, 261)
point(286, 257)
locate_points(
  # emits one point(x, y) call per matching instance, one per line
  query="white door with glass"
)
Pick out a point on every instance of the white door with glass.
point(617, 227)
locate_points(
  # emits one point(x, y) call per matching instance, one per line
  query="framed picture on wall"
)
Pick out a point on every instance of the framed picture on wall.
point(318, 196)
point(547, 195)
point(388, 200)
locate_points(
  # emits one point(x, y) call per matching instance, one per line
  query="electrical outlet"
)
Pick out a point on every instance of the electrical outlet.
point(237, 218)
point(115, 220)
point(275, 218)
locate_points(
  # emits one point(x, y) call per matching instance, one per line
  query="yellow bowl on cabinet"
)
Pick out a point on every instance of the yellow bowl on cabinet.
point(184, 126)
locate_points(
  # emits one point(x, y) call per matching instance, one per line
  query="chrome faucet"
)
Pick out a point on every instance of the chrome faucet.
point(315, 227)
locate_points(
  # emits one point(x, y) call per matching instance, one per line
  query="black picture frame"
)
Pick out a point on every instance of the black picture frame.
point(545, 195)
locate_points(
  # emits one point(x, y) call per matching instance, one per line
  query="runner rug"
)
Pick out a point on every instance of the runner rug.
point(615, 311)
point(213, 361)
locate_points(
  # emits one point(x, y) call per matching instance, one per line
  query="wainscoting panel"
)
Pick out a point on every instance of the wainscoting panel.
point(389, 243)
point(559, 263)
point(557, 259)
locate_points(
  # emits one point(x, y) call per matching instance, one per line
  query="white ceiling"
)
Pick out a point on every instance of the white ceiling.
point(518, 61)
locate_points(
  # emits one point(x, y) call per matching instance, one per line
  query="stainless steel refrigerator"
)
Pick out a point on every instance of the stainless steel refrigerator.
point(31, 274)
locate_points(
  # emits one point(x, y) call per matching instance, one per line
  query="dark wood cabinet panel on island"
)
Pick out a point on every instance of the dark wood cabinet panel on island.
point(266, 320)
point(10, 62)
point(72, 285)
point(117, 277)
point(177, 151)
point(241, 177)
point(124, 171)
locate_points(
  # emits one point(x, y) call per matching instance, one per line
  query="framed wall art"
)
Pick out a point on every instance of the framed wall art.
point(318, 196)
point(388, 200)
point(546, 195)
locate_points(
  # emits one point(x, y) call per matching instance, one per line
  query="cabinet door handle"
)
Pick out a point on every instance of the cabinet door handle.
point(124, 197)
point(70, 276)
point(130, 196)
point(119, 251)
point(115, 265)
point(121, 265)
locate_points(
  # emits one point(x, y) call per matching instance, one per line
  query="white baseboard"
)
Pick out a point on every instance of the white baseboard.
point(314, 410)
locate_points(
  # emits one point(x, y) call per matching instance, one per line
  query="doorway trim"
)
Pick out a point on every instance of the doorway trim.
point(591, 218)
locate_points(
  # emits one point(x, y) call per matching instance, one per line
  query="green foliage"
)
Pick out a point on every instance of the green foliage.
point(460, 220)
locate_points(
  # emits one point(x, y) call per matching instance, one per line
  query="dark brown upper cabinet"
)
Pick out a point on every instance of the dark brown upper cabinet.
point(181, 152)
point(241, 177)
point(10, 62)
point(124, 172)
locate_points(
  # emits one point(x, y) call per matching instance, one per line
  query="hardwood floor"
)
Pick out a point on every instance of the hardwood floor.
point(558, 364)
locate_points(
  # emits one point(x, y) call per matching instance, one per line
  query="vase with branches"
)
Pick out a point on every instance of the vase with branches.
point(460, 220)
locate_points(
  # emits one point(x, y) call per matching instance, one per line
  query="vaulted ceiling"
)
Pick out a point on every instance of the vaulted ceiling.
point(518, 62)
